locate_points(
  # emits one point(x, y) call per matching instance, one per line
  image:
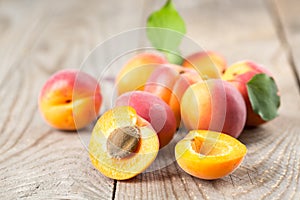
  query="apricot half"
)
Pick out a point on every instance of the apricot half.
point(122, 144)
point(209, 155)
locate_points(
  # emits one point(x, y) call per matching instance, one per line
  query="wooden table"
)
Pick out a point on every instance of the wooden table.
point(38, 38)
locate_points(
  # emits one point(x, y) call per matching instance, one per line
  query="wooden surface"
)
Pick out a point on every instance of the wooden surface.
point(38, 38)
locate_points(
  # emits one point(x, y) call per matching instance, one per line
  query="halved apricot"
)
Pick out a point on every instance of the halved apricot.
point(209, 155)
point(122, 144)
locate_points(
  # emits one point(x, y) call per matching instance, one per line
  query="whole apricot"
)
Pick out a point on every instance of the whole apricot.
point(208, 64)
point(239, 74)
point(136, 72)
point(169, 83)
point(154, 110)
point(213, 105)
point(70, 100)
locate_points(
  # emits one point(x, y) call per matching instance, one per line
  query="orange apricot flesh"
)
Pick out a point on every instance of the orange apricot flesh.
point(129, 166)
point(209, 155)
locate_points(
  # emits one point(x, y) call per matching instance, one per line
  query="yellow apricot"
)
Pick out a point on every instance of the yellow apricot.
point(136, 72)
point(113, 162)
point(209, 155)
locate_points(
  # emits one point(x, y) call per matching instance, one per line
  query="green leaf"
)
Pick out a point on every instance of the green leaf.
point(174, 57)
point(165, 29)
point(263, 95)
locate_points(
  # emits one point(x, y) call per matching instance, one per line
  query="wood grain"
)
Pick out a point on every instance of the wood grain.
point(288, 26)
point(239, 30)
point(38, 38)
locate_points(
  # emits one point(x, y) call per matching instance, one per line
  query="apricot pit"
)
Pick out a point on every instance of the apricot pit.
point(123, 141)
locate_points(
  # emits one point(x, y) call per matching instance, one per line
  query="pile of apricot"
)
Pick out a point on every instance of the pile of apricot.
point(154, 97)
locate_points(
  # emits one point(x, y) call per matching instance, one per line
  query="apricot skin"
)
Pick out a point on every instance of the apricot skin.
point(169, 83)
point(134, 164)
point(225, 154)
point(161, 81)
point(239, 74)
point(209, 64)
point(213, 105)
point(70, 100)
point(154, 110)
point(136, 72)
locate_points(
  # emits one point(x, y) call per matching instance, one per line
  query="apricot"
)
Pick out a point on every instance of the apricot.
point(154, 110)
point(122, 144)
point(169, 82)
point(162, 80)
point(70, 100)
point(208, 64)
point(239, 74)
point(213, 105)
point(183, 82)
point(209, 155)
point(136, 72)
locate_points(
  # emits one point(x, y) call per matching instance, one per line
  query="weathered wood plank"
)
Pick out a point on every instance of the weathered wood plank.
point(288, 21)
point(38, 38)
point(29, 163)
point(239, 30)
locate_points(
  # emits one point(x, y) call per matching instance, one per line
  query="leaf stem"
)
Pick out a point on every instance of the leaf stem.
point(168, 3)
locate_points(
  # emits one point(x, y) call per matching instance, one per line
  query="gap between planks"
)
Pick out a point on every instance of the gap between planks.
point(282, 36)
point(145, 6)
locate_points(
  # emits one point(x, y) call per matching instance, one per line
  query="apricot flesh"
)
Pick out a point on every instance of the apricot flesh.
point(209, 155)
point(135, 162)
